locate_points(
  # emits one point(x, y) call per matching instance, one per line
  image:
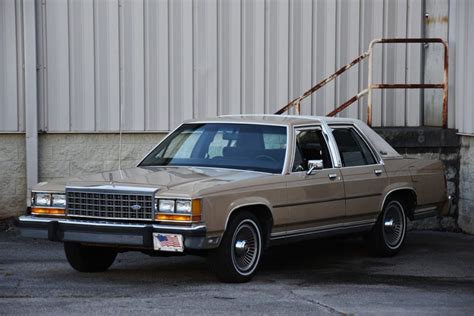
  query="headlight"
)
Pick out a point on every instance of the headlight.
point(42, 199)
point(178, 210)
point(49, 199)
point(48, 204)
point(166, 206)
point(58, 200)
point(183, 206)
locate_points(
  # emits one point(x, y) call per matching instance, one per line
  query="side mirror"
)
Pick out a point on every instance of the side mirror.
point(314, 165)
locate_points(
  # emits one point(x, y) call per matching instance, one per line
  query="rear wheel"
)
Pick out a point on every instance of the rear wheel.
point(239, 253)
point(388, 234)
point(89, 259)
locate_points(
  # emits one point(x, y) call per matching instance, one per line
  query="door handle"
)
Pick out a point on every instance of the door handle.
point(378, 172)
point(332, 176)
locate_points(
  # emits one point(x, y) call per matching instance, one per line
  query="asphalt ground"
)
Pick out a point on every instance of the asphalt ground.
point(434, 274)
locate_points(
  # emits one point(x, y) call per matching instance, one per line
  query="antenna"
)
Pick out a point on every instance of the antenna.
point(120, 140)
point(121, 85)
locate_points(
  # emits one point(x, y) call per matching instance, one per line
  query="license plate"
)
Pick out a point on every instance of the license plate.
point(168, 242)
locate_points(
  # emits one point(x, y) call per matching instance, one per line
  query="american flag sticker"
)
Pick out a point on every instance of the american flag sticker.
point(168, 242)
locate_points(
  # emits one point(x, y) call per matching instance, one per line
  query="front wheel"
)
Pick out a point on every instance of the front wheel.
point(388, 234)
point(89, 259)
point(237, 258)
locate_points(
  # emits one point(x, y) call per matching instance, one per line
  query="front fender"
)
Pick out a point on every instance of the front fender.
point(247, 201)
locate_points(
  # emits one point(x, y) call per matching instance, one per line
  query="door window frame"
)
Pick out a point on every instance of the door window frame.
point(326, 139)
point(377, 158)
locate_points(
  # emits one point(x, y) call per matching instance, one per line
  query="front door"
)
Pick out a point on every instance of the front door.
point(314, 200)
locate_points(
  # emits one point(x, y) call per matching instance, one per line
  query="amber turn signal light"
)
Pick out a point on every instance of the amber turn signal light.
point(196, 208)
point(177, 217)
point(47, 211)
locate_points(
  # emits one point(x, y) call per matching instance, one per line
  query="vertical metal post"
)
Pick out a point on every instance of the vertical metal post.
point(30, 92)
point(369, 84)
point(445, 88)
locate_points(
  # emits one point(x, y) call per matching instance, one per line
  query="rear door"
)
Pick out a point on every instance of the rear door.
point(363, 173)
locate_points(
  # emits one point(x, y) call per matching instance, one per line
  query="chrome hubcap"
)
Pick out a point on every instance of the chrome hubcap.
point(394, 225)
point(241, 247)
point(246, 247)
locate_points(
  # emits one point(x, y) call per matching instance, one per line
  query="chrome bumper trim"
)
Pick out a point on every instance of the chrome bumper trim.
point(33, 219)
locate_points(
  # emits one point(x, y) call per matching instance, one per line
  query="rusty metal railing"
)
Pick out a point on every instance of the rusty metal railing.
point(371, 86)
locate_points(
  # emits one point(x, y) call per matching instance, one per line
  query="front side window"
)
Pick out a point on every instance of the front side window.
point(310, 145)
point(223, 145)
point(352, 149)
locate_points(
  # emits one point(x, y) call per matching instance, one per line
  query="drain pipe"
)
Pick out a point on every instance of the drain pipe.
point(30, 92)
point(422, 63)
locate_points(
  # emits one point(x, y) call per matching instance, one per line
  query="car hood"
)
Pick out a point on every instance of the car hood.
point(188, 181)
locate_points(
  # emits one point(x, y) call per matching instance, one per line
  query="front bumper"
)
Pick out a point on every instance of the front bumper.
point(133, 235)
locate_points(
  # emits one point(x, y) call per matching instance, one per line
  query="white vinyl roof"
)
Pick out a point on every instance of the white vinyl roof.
point(380, 144)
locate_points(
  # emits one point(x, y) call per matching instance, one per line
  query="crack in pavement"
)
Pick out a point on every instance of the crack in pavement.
point(327, 308)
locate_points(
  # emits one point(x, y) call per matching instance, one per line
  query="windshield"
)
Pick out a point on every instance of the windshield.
point(223, 145)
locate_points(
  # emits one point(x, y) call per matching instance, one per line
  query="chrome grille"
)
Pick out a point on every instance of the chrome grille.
point(110, 204)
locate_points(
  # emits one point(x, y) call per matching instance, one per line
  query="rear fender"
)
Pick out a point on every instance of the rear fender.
point(394, 188)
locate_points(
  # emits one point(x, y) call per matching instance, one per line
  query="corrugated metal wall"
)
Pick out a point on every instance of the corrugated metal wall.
point(11, 106)
point(461, 42)
point(164, 61)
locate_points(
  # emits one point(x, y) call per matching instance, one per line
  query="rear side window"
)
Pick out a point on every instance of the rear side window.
point(353, 150)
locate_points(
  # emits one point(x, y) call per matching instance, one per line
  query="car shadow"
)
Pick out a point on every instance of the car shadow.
point(339, 260)
point(287, 261)
point(278, 262)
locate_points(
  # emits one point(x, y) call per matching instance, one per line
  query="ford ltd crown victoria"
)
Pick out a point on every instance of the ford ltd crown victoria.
point(229, 187)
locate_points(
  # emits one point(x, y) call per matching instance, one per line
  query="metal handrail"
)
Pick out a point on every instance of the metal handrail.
point(296, 102)
point(370, 86)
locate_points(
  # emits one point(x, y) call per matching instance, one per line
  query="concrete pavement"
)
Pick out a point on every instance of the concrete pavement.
point(434, 274)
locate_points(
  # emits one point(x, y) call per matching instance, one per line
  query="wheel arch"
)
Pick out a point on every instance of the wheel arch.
point(408, 196)
point(261, 209)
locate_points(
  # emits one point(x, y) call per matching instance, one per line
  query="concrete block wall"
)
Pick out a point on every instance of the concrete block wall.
point(466, 185)
point(66, 155)
point(12, 174)
point(62, 156)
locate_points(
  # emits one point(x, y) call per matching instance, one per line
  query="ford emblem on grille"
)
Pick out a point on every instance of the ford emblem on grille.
point(136, 207)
